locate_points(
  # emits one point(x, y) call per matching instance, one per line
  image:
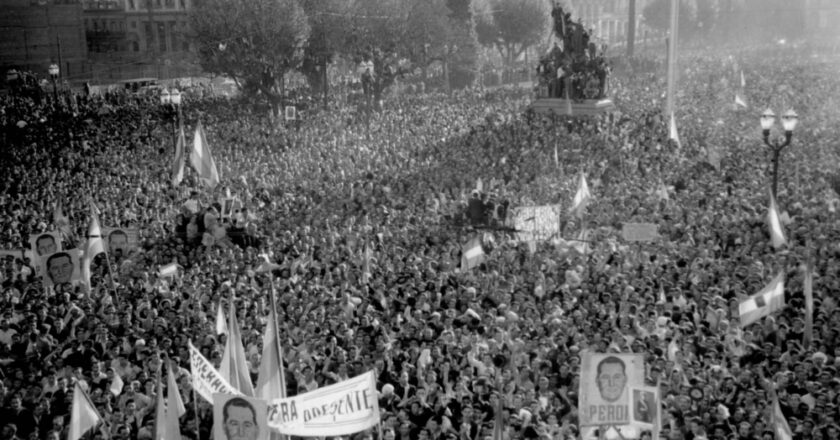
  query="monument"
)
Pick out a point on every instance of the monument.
point(572, 76)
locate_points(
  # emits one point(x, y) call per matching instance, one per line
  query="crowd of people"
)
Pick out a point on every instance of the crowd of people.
point(446, 344)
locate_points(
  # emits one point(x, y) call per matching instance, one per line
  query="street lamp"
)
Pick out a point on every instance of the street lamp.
point(789, 121)
point(54, 71)
point(170, 100)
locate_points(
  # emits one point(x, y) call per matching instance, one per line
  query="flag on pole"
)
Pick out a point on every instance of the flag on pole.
point(270, 382)
point(170, 270)
point(662, 191)
point(581, 197)
point(581, 243)
point(266, 265)
point(117, 385)
point(167, 424)
point(160, 411)
point(234, 367)
point(774, 220)
point(808, 336)
point(556, 156)
point(472, 254)
point(673, 134)
point(769, 300)
point(498, 423)
point(178, 165)
point(62, 223)
point(479, 185)
point(202, 160)
point(780, 424)
point(83, 415)
point(221, 323)
point(94, 244)
point(740, 101)
point(743, 81)
point(366, 272)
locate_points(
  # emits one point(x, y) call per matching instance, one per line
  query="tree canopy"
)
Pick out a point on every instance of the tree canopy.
point(512, 26)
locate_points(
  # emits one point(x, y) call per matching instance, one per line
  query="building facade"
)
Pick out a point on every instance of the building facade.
point(609, 19)
point(35, 34)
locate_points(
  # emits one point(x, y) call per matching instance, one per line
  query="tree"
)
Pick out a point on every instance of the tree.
point(254, 42)
point(326, 23)
point(513, 26)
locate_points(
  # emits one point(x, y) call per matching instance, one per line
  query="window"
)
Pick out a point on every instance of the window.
point(150, 36)
point(183, 4)
point(135, 46)
point(161, 28)
point(133, 25)
point(131, 5)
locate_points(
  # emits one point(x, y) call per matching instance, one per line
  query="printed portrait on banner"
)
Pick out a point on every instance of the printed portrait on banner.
point(239, 418)
point(120, 241)
point(44, 244)
point(606, 380)
point(61, 268)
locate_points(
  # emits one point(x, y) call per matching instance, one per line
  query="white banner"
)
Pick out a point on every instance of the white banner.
point(538, 223)
point(344, 408)
point(205, 379)
point(605, 383)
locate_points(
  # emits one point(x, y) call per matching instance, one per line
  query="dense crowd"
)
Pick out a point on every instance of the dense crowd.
point(445, 344)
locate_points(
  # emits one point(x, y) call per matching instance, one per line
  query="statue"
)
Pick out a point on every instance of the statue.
point(573, 69)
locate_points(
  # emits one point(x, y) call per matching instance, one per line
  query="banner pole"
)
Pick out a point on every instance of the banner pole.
point(197, 419)
point(277, 341)
point(111, 277)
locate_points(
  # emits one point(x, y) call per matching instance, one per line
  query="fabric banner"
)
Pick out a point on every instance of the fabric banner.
point(536, 222)
point(206, 379)
point(344, 408)
point(606, 380)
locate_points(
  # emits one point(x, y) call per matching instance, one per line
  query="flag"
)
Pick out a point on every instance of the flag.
point(267, 266)
point(740, 101)
point(479, 185)
point(743, 81)
point(234, 366)
point(83, 415)
point(366, 273)
point(472, 254)
point(498, 423)
point(581, 197)
point(777, 234)
point(556, 156)
point(94, 244)
point(780, 425)
point(662, 191)
point(770, 299)
point(809, 305)
point(178, 165)
point(221, 324)
point(62, 223)
point(673, 134)
point(581, 243)
point(173, 396)
point(170, 270)
point(270, 380)
point(160, 411)
point(117, 385)
point(202, 160)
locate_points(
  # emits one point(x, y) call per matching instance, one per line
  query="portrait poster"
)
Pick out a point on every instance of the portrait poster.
point(61, 267)
point(44, 244)
point(645, 407)
point(229, 206)
point(120, 240)
point(605, 384)
point(239, 418)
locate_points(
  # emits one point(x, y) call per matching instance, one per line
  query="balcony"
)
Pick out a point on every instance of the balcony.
point(103, 5)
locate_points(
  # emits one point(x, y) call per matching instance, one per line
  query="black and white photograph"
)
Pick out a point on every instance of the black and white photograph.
point(517, 216)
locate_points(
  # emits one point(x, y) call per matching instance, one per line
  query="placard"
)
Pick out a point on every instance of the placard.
point(122, 240)
point(61, 267)
point(605, 383)
point(645, 404)
point(44, 244)
point(291, 113)
point(536, 222)
point(239, 418)
point(640, 232)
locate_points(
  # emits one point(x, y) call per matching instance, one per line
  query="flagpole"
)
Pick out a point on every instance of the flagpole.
point(111, 277)
point(277, 341)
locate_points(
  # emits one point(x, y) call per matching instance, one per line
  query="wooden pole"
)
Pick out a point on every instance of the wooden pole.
point(673, 41)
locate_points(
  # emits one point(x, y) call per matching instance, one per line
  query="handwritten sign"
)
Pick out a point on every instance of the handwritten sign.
point(640, 232)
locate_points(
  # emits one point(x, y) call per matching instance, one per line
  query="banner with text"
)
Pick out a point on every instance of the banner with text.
point(537, 223)
point(205, 379)
point(344, 408)
point(605, 382)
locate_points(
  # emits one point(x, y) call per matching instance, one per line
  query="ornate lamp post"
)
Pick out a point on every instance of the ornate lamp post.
point(789, 121)
point(54, 71)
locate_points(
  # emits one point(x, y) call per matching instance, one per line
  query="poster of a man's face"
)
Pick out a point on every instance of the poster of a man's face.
point(611, 378)
point(117, 242)
point(120, 241)
point(45, 244)
point(60, 267)
point(239, 418)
